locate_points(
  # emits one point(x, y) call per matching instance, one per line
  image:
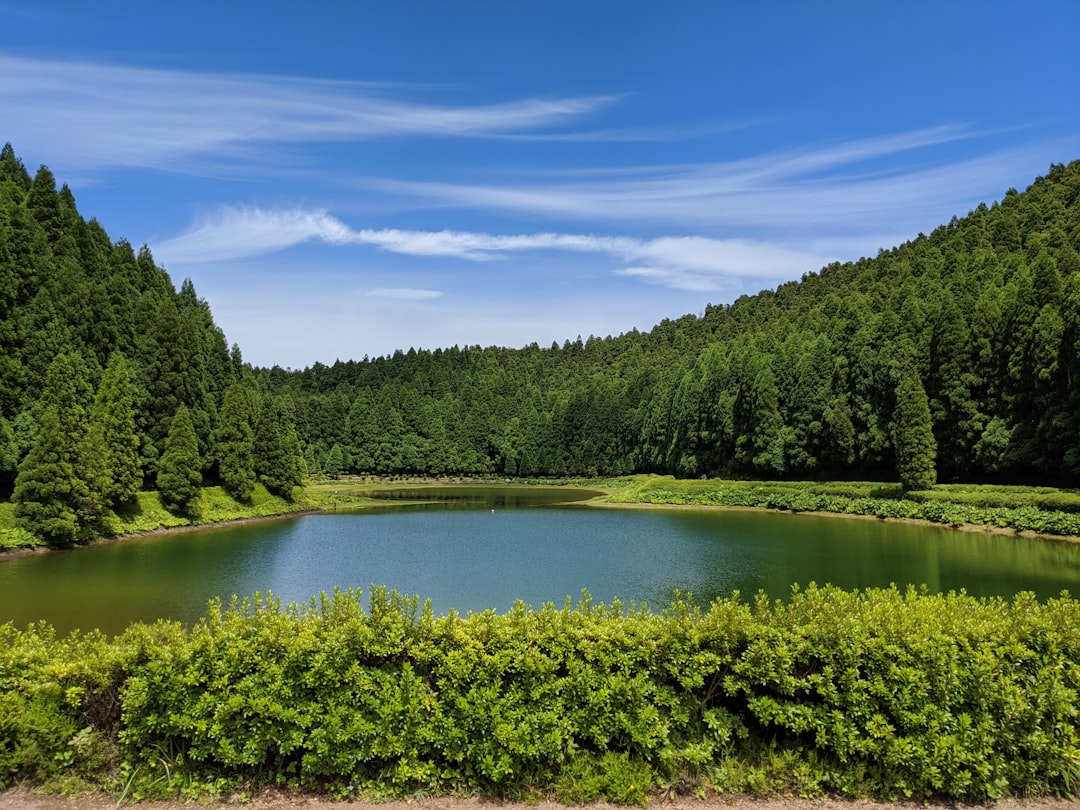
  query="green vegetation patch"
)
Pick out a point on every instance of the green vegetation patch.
point(12, 535)
point(1037, 509)
point(146, 513)
point(883, 693)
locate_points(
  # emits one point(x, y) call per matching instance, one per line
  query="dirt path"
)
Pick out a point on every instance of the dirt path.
point(21, 799)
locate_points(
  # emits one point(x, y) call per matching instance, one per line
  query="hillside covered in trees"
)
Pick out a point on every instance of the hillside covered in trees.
point(955, 356)
point(110, 379)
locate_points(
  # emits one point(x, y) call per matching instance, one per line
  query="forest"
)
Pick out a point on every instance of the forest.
point(954, 357)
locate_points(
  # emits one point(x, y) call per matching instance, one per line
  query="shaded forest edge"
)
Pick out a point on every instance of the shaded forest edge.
point(951, 358)
point(882, 693)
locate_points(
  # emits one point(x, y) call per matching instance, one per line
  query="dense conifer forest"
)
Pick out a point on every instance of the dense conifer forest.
point(953, 357)
point(110, 379)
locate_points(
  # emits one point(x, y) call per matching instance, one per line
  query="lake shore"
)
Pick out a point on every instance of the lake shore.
point(13, 553)
point(975, 528)
point(368, 484)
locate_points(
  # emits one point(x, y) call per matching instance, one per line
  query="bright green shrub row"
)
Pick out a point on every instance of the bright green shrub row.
point(1048, 499)
point(877, 692)
point(931, 506)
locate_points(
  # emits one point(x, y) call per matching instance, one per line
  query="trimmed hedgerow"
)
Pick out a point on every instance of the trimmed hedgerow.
point(881, 692)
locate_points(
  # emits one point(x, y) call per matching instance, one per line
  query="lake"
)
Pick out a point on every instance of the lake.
point(475, 553)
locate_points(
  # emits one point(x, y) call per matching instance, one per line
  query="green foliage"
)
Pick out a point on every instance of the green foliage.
point(235, 444)
point(1034, 509)
point(58, 489)
point(179, 477)
point(12, 535)
point(916, 449)
point(112, 424)
point(67, 291)
point(48, 493)
point(59, 706)
point(884, 693)
point(279, 460)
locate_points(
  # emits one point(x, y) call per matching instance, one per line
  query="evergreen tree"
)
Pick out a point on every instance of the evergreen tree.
point(279, 459)
point(913, 434)
point(179, 476)
point(235, 444)
point(9, 453)
point(112, 428)
point(335, 461)
point(53, 491)
point(47, 491)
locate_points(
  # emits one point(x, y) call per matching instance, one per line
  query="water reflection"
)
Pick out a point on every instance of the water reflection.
point(471, 558)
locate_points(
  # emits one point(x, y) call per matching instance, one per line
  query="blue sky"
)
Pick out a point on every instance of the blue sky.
point(342, 179)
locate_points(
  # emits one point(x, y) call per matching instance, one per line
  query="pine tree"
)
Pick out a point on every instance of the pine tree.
point(47, 490)
point(112, 426)
point(235, 444)
point(913, 435)
point(279, 459)
point(57, 490)
point(335, 461)
point(179, 477)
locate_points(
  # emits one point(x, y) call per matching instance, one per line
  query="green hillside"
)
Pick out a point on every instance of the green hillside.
point(99, 355)
point(953, 357)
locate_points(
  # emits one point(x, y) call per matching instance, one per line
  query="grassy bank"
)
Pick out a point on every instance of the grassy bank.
point(147, 514)
point(1043, 510)
point(879, 693)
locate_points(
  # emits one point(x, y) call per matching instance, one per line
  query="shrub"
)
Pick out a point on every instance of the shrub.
point(895, 694)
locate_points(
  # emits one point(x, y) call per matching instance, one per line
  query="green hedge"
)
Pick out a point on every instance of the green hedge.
point(882, 692)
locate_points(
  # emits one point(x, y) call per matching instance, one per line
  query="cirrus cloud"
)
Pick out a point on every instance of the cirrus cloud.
point(184, 121)
point(679, 262)
point(404, 293)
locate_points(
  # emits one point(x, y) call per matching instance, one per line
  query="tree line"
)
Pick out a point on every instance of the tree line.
point(111, 380)
point(955, 356)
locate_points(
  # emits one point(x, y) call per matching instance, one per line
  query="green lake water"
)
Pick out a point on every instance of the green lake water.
point(474, 554)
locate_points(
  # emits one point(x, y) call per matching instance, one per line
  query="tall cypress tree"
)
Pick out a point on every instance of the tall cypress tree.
point(279, 459)
point(335, 461)
point(913, 434)
point(47, 490)
point(55, 489)
point(179, 473)
point(235, 444)
point(113, 430)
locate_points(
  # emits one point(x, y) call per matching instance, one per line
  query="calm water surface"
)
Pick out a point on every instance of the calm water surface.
point(469, 557)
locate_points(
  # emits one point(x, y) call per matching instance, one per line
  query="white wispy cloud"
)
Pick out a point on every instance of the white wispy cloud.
point(237, 233)
point(404, 293)
point(680, 262)
point(896, 184)
point(165, 119)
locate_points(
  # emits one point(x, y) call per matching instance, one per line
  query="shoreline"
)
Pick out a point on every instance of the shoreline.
point(600, 502)
point(974, 528)
point(12, 553)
